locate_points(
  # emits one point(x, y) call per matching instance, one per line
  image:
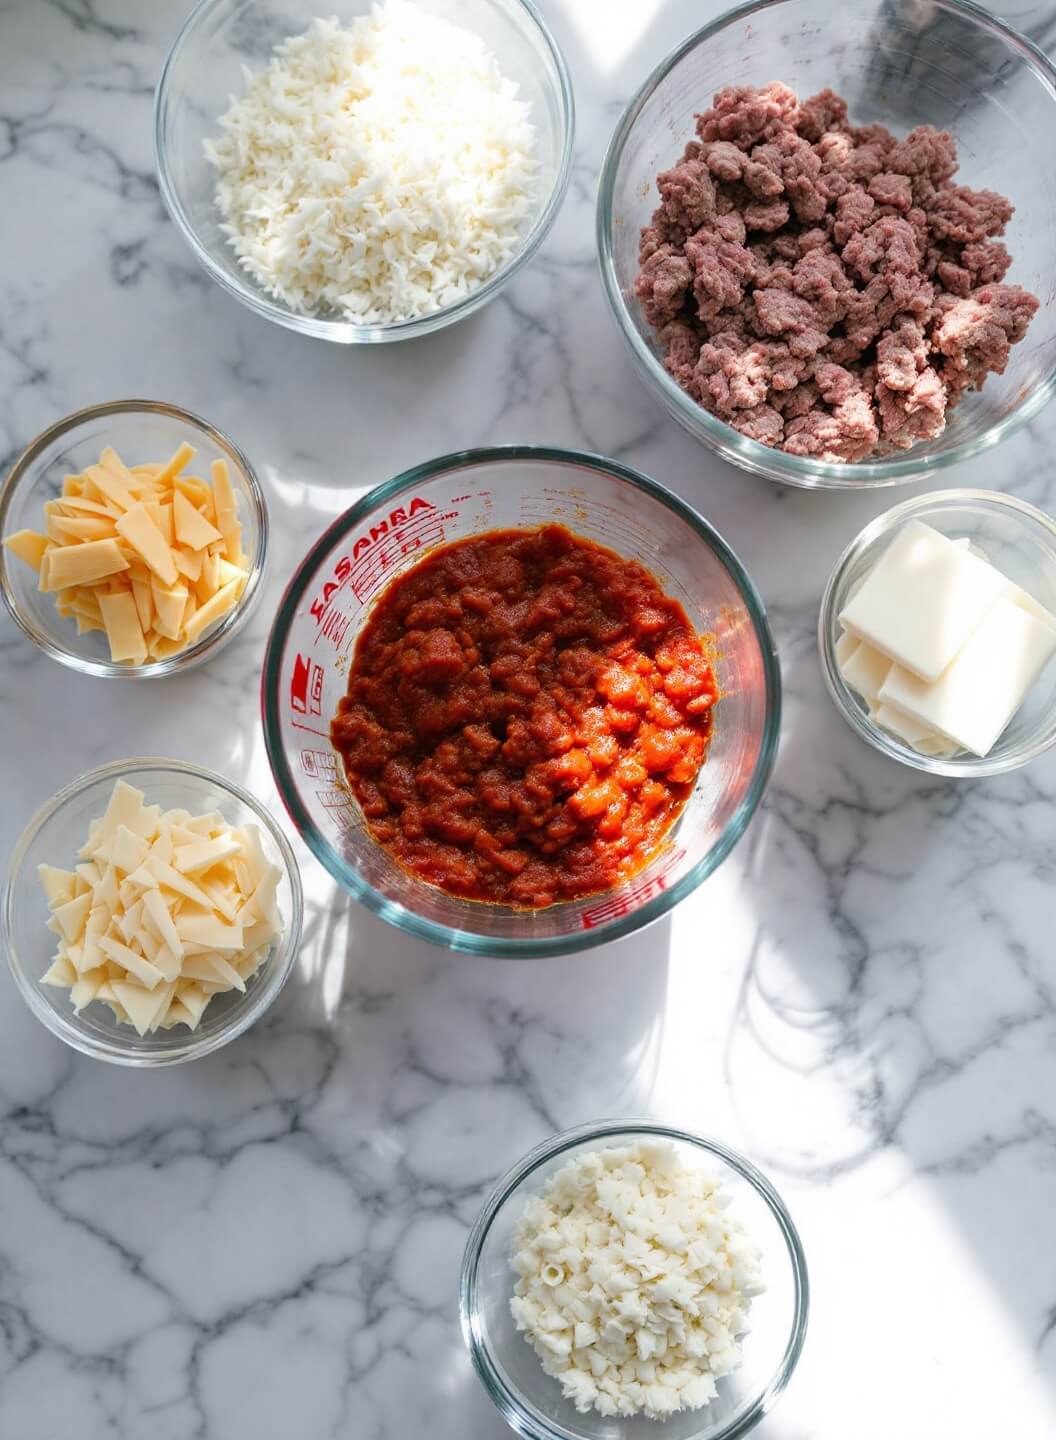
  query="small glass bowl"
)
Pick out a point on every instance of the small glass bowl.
point(141, 431)
point(898, 63)
point(530, 1400)
point(1016, 538)
point(204, 70)
point(54, 836)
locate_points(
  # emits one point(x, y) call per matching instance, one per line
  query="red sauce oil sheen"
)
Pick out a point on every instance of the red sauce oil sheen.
point(526, 715)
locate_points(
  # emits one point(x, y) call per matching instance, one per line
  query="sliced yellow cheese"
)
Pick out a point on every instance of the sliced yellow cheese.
point(214, 609)
point(78, 505)
point(144, 536)
point(169, 605)
point(196, 491)
point(144, 604)
point(69, 565)
point(180, 460)
point(188, 563)
point(192, 528)
point(28, 546)
point(169, 540)
point(223, 490)
point(123, 630)
point(113, 491)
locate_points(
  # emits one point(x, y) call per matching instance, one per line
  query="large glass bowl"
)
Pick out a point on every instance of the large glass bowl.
point(204, 70)
point(531, 1401)
point(384, 535)
point(141, 431)
point(53, 837)
point(900, 63)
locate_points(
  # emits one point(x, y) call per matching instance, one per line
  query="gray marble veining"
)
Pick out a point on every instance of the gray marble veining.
point(265, 1245)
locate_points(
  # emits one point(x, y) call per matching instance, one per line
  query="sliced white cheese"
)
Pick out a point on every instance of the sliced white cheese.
point(129, 960)
point(58, 884)
point(160, 914)
point(207, 929)
point(922, 600)
point(865, 671)
point(203, 854)
point(985, 685)
point(61, 973)
point(143, 937)
point(846, 645)
point(71, 916)
point(903, 725)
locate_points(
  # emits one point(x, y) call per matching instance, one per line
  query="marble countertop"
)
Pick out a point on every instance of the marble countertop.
point(264, 1245)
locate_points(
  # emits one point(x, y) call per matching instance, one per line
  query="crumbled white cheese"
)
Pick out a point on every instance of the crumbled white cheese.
point(634, 1281)
point(380, 170)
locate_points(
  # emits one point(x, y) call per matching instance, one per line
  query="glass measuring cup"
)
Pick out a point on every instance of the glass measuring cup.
point(386, 533)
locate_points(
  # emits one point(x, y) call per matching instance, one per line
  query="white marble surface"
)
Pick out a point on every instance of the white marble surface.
point(264, 1246)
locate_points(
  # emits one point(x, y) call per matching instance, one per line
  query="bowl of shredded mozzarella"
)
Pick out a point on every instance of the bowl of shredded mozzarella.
point(625, 1278)
point(371, 174)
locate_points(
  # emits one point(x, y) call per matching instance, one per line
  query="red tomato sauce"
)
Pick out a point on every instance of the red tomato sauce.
point(525, 718)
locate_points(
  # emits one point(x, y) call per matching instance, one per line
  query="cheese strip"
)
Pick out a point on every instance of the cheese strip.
point(169, 541)
point(28, 546)
point(192, 528)
point(123, 628)
point(70, 565)
point(144, 536)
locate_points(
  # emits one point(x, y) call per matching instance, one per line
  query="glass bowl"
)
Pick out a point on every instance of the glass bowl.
point(530, 1400)
point(205, 68)
point(54, 836)
point(898, 63)
point(1021, 542)
point(470, 493)
point(141, 431)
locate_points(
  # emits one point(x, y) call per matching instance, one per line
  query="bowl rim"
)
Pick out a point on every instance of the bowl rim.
point(344, 331)
point(804, 472)
point(350, 879)
point(499, 1392)
point(23, 469)
point(279, 965)
point(959, 767)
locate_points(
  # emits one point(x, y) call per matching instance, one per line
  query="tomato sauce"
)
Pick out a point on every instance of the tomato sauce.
point(526, 715)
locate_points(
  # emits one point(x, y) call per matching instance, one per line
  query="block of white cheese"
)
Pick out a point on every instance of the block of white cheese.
point(865, 670)
point(913, 732)
point(984, 686)
point(922, 600)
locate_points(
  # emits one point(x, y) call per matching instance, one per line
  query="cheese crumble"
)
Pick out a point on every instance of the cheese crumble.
point(378, 171)
point(634, 1282)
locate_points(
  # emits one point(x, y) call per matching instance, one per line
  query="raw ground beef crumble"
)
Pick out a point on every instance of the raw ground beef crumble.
point(825, 288)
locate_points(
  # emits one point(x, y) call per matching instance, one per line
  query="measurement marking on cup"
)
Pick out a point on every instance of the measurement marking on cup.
point(635, 895)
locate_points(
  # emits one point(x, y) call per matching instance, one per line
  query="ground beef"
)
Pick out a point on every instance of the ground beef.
point(824, 288)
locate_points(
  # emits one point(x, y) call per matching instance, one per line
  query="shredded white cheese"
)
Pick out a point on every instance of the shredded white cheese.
point(634, 1282)
point(380, 171)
